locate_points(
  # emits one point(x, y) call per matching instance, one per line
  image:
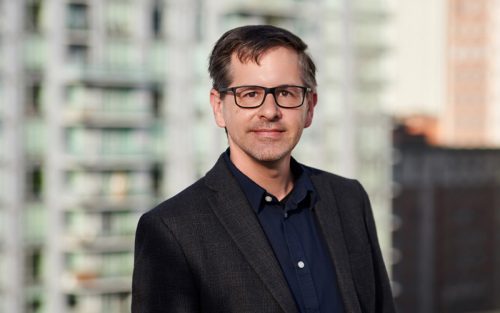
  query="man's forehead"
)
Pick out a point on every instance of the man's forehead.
point(245, 56)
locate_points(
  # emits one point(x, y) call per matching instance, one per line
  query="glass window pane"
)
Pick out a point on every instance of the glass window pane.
point(77, 17)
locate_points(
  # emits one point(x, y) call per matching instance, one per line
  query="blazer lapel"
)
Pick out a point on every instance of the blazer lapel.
point(330, 223)
point(232, 209)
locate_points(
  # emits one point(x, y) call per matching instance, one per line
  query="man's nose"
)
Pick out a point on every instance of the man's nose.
point(270, 109)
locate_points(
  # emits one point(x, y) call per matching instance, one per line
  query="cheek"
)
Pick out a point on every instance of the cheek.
point(233, 118)
point(227, 117)
point(302, 119)
point(226, 114)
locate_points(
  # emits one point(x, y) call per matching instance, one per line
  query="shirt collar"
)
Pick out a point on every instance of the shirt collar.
point(303, 186)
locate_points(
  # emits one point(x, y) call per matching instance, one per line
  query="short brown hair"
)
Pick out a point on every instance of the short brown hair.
point(250, 43)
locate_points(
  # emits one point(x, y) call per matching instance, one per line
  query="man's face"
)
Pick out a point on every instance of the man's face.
point(267, 133)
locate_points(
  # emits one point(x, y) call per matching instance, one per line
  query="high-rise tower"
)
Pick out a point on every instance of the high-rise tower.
point(104, 112)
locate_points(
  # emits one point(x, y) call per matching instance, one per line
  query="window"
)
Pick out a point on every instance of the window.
point(34, 304)
point(34, 100)
point(34, 266)
point(119, 18)
point(157, 99)
point(33, 14)
point(35, 183)
point(77, 17)
point(157, 19)
point(78, 53)
point(119, 55)
point(157, 179)
point(71, 300)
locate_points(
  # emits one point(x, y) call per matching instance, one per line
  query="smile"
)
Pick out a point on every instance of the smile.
point(268, 133)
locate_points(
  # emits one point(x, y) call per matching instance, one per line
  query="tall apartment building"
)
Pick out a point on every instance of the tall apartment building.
point(80, 101)
point(11, 160)
point(104, 112)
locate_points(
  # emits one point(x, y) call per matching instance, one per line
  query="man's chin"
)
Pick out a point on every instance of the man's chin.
point(263, 153)
point(270, 156)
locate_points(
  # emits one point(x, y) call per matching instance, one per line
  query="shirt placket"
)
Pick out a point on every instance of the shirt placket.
point(301, 265)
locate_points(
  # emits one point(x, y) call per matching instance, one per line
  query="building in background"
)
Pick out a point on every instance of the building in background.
point(472, 112)
point(446, 63)
point(445, 79)
point(417, 69)
point(104, 112)
point(447, 208)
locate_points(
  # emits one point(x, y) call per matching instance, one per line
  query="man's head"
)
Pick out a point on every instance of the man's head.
point(264, 92)
point(249, 43)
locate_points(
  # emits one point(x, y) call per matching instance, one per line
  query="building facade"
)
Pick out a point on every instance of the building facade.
point(446, 63)
point(447, 208)
point(96, 97)
point(469, 106)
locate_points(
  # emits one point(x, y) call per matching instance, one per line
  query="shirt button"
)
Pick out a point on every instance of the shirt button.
point(268, 198)
point(301, 264)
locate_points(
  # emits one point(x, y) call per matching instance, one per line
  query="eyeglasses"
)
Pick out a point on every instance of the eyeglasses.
point(285, 96)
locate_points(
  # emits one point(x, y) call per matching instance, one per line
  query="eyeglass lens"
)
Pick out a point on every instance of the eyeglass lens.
point(253, 96)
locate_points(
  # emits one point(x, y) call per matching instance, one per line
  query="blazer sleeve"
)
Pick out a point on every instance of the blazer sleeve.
point(384, 302)
point(162, 281)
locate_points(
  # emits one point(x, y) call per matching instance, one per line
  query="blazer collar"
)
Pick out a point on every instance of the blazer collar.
point(234, 212)
point(329, 219)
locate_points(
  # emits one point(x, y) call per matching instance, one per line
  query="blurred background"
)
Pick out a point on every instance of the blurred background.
point(104, 112)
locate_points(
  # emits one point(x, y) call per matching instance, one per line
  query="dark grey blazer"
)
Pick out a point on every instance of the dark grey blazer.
point(204, 251)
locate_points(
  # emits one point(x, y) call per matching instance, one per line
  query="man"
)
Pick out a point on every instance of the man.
point(261, 232)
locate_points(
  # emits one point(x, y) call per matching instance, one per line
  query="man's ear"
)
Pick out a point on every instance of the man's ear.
point(216, 102)
point(312, 99)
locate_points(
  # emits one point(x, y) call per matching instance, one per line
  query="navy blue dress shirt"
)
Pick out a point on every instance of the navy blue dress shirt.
point(292, 231)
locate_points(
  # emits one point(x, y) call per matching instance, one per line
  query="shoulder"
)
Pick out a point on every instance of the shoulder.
point(337, 182)
point(347, 193)
point(194, 205)
point(183, 214)
point(190, 201)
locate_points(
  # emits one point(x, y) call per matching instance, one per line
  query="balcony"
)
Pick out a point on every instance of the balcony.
point(108, 149)
point(35, 223)
point(140, 162)
point(91, 243)
point(98, 273)
point(35, 137)
point(35, 52)
point(104, 203)
point(88, 285)
point(102, 119)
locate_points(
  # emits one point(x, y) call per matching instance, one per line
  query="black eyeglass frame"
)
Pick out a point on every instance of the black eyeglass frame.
point(272, 90)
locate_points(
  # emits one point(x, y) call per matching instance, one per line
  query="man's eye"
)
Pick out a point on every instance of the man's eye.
point(249, 94)
point(285, 93)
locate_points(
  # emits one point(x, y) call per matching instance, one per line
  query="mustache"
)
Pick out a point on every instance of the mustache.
point(269, 126)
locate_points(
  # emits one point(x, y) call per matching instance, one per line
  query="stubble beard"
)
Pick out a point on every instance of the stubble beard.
point(266, 151)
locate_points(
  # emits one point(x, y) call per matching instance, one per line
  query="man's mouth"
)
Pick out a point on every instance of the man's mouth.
point(268, 132)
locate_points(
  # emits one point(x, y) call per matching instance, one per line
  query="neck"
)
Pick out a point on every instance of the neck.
point(274, 176)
